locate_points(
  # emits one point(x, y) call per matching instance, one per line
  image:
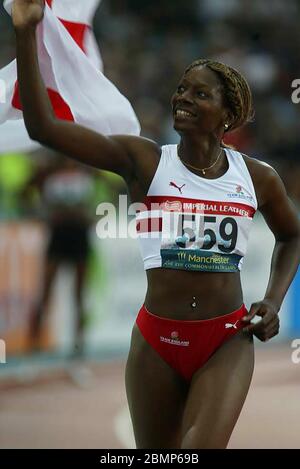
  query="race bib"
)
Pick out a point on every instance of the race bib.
point(198, 241)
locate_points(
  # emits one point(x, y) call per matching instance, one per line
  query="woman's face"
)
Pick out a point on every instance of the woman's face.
point(198, 103)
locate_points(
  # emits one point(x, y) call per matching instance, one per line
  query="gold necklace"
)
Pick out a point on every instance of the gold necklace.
point(201, 169)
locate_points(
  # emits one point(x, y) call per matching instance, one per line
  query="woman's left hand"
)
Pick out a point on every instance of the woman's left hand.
point(268, 327)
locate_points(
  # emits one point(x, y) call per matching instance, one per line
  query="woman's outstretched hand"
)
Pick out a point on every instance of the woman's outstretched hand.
point(27, 13)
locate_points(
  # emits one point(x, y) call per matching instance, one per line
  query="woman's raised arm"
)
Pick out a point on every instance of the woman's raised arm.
point(89, 147)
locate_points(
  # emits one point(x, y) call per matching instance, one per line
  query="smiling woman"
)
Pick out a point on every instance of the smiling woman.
point(191, 357)
point(235, 91)
point(218, 84)
point(214, 97)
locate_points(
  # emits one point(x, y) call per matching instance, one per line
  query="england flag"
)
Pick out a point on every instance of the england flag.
point(70, 65)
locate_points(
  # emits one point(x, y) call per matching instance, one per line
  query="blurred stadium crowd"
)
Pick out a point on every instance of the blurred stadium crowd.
point(147, 44)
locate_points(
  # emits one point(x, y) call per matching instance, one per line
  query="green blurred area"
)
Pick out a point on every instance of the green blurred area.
point(16, 169)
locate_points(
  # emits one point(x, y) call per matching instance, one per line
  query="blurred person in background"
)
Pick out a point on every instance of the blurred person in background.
point(197, 391)
point(65, 191)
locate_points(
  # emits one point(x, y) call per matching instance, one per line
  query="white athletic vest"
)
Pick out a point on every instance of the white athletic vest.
point(192, 223)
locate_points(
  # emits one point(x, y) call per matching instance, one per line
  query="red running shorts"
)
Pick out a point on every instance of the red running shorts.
point(187, 345)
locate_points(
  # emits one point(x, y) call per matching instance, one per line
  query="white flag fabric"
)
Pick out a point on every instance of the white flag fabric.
point(70, 65)
point(14, 138)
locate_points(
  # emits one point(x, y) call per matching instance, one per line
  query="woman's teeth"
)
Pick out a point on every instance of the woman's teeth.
point(179, 112)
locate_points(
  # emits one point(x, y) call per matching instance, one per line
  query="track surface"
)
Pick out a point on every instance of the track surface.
point(54, 412)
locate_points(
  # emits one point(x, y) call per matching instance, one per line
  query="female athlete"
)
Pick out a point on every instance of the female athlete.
point(191, 358)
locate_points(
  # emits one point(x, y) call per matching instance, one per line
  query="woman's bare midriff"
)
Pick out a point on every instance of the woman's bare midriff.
point(170, 294)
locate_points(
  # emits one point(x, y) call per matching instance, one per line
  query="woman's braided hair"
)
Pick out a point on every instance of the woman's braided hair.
point(236, 91)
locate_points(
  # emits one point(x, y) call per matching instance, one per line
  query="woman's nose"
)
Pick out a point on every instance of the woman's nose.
point(186, 96)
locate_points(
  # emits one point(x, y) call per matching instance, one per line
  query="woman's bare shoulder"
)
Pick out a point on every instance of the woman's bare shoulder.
point(265, 178)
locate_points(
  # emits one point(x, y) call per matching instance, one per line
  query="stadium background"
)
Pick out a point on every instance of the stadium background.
point(148, 44)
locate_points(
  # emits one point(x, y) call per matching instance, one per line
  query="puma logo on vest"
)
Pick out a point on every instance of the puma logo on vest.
point(173, 184)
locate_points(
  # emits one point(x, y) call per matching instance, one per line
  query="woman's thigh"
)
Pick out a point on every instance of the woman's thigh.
point(217, 393)
point(156, 396)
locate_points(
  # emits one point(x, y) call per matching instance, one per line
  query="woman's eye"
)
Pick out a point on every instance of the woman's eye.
point(202, 94)
point(180, 89)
